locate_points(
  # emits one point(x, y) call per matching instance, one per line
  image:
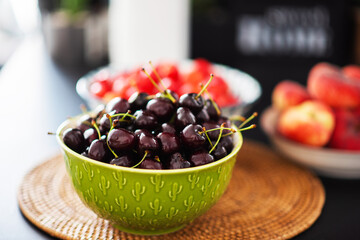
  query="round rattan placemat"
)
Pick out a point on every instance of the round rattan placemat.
point(268, 198)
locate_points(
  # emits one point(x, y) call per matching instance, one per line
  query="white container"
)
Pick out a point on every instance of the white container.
point(143, 30)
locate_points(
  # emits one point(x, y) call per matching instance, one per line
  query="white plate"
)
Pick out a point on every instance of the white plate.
point(240, 83)
point(325, 161)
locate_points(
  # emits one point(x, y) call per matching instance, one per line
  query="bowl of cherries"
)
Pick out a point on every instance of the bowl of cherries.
point(233, 90)
point(153, 163)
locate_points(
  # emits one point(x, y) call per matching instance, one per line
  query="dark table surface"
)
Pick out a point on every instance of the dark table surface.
point(36, 96)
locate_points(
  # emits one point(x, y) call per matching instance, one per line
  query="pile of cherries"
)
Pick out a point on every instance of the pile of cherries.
point(161, 131)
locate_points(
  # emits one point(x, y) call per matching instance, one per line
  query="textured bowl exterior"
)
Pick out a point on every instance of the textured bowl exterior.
point(143, 201)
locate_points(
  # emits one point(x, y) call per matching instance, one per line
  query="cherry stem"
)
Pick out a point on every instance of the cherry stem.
point(112, 124)
point(146, 153)
point(248, 120)
point(156, 158)
point(215, 129)
point(83, 108)
point(218, 140)
point(166, 92)
point(241, 129)
point(207, 136)
point(152, 80)
point(51, 133)
point(237, 118)
point(211, 100)
point(206, 85)
point(127, 114)
point(96, 128)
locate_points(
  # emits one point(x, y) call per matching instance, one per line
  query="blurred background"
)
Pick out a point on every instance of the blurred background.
point(270, 40)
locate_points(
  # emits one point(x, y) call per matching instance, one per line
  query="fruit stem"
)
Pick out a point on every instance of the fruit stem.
point(212, 100)
point(218, 140)
point(237, 118)
point(157, 158)
point(207, 136)
point(206, 85)
point(152, 80)
point(96, 128)
point(215, 129)
point(146, 152)
point(107, 139)
point(248, 120)
point(166, 92)
point(127, 114)
point(51, 133)
point(241, 129)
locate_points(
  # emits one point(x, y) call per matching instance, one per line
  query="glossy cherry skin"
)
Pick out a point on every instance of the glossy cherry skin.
point(227, 142)
point(192, 102)
point(149, 163)
point(145, 119)
point(177, 161)
point(169, 143)
point(119, 105)
point(90, 135)
point(219, 152)
point(202, 116)
point(147, 142)
point(191, 137)
point(138, 101)
point(98, 150)
point(74, 139)
point(209, 107)
point(121, 139)
point(163, 108)
point(201, 157)
point(183, 118)
point(167, 127)
point(124, 161)
point(227, 122)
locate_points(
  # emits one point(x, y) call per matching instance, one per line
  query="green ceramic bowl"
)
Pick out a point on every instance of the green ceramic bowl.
point(147, 202)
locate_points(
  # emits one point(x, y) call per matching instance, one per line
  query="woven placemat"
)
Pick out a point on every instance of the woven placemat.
point(268, 198)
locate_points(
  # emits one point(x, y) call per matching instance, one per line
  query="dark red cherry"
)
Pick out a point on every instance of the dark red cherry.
point(183, 118)
point(149, 163)
point(172, 93)
point(227, 143)
point(98, 150)
point(121, 139)
point(177, 161)
point(145, 119)
point(90, 135)
point(202, 116)
point(219, 152)
point(201, 157)
point(140, 131)
point(124, 161)
point(104, 124)
point(169, 143)
point(227, 122)
point(74, 139)
point(138, 100)
point(213, 135)
point(192, 102)
point(147, 142)
point(191, 136)
point(119, 105)
point(167, 127)
point(211, 110)
point(163, 108)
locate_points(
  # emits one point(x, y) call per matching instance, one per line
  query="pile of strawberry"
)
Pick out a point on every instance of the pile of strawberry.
point(106, 86)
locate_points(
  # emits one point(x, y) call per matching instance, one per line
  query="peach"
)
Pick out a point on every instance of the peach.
point(311, 122)
point(347, 130)
point(327, 83)
point(288, 93)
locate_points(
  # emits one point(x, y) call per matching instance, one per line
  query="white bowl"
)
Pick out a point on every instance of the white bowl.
point(241, 84)
point(325, 161)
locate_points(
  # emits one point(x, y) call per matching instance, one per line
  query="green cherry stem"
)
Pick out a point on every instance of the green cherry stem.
point(211, 100)
point(241, 129)
point(127, 114)
point(96, 128)
point(146, 153)
point(156, 158)
point(207, 136)
point(165, 92)
point(215, 129)
point(237, 118)
point(206, 85)
point(152, 80)
point(248, 120)
point(218, 140)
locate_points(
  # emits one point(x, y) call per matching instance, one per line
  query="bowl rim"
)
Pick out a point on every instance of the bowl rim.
point(66, 124)
point(83, 82)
